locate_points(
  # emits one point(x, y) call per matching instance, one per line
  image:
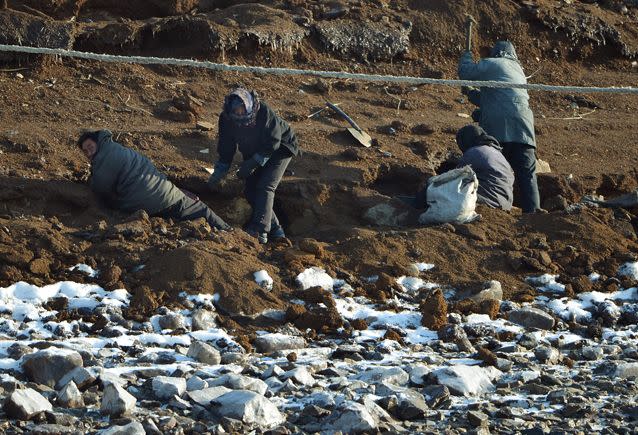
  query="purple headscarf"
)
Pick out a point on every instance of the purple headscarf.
point(249, 100)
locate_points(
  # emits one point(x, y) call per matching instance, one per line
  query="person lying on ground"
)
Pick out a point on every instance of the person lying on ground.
point(267, 144)
point(127, 181)
point(495, 175)
point(505, 114)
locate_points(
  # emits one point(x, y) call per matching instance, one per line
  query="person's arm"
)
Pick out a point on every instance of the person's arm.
point(226, 144)
point(470, 70)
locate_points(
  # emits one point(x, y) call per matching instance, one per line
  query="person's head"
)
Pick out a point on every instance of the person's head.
point(504, 49)
point(473, 136)
point(88, 144)
point(241, 106)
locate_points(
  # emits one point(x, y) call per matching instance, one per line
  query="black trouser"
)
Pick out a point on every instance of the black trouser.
point(187, 209)
point(260, 191)
point(522, 158)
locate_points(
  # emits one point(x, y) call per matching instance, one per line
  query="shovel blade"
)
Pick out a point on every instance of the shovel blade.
point(361, 136)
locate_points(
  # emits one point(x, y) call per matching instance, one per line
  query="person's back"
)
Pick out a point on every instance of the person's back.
point(505, 113)
point(496, 177)
point(129, 181)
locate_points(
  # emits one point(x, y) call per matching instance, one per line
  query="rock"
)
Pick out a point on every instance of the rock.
point(531, 318)
point(54, 429)
point(456, 334)
point(70, 396)
point(268, 343)
point(165, 387)
point(492, 290)
point(48, 366)
point(437, 395)
point(355, 419)
point(528, 341)
point(79, 375)
point(547, 355)
point(133, 428)
point(467, 380)
point(384, 375)
point(26, 404)
point(205, 396)
point(195, 383)
point(203, 320)
point(385, 215)
point(17, 351)
point(477, 419)
point(592, 353)
point(300, 376)
point(249, 407)
point(116, 401)
point(171, 321)
point(204, 353)
point(410, 405)
point(542, 167)
point(239, 382)
point(626, 370)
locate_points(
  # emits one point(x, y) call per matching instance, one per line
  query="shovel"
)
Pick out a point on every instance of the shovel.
point(355, 131)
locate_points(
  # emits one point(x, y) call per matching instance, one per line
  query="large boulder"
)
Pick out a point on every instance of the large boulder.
point(48, 366)
point(116, 401)
point(249, 407)
point(531, 318)
point(26, 404)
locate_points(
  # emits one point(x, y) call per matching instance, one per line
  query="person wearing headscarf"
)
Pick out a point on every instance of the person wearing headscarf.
point(267, 145)
point(505, 114)
point(128, 181)
point(483, 154)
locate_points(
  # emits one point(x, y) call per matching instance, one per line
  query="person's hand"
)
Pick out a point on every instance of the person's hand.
point(247, 168)
point(218, 174)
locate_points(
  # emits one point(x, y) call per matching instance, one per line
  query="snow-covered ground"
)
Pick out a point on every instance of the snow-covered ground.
point(181, 370)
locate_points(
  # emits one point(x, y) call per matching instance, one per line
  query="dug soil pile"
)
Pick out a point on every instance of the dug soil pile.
point(337, 200)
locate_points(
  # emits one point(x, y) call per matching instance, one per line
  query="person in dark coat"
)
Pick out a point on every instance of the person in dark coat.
point(483, 154)
point(127, 181)
point(267, 144)
point(505, 115)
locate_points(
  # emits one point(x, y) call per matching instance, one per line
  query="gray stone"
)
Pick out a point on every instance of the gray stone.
point(410, 404)
point(273, 370)
point(70, 396)
point(207, 395)
point(48, 366)
point(385, 375)
point(195, 383)
point(385, 215)
point(417, 374)
point(592, 353)
point(249, 407)
point(165, 387)
point(300, 376)
point(531, 318)
point(80, 376)
point(203, 320)
point(273, 342)
point(492, 290)
point(54, 429)
point(455, 334)
point(116, 401)
point(133, 428)
point(26, 404)
point(204, 353)
point(528, 341)
point(626, 370)
point(355, 418)
point(477, 419)
point(547, 354)
point(239, 382)
point(233, 358)
point(171, 321)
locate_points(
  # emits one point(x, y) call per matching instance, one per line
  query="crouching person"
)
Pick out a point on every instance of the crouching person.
point(267, 144)
point(127, 181)
point(495, 175)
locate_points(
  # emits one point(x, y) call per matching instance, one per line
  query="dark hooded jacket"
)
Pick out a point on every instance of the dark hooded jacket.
point(269, 134)
point(505, 113)
point(128, 181)
point(483, 154)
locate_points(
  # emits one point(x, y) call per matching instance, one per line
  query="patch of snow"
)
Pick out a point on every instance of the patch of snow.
point(629, 269)
point(424, 267)
point(263, 279)
point(412, 284)
point(468, 380)
point(85, 268)
point(315, 277)
point(594, 276)
point(547, 282)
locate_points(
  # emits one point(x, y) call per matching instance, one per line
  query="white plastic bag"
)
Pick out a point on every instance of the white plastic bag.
point(451, 197)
